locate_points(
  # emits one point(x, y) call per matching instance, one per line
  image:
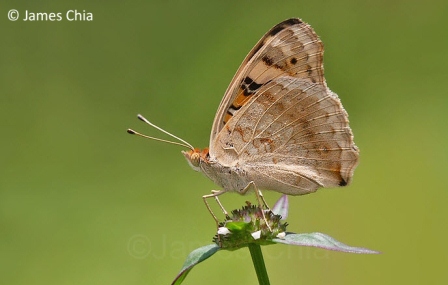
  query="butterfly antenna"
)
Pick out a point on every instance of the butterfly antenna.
point(181, 143)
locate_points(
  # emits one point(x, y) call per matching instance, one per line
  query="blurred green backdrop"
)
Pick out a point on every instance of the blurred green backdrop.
point(82, 202)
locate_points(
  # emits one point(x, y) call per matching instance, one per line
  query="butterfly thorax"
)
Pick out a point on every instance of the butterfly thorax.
point(230, 178)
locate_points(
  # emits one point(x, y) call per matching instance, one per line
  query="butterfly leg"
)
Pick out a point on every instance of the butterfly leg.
point(260, 200)
point(264, 201)
point(215, 194)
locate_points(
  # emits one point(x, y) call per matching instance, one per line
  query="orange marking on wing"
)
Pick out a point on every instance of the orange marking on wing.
point(227, 117)
point(241, 99)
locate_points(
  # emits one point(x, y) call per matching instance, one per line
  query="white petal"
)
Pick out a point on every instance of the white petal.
point(223, 231)
point(256, 235)
point(281, 235)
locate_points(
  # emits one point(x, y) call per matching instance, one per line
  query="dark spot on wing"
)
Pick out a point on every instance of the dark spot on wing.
point(309, 69)
point(342, 182)
point(233, 108)
point(266, 59)
point(249, 86)
point(293, 60)
point(290, 22)
point(275, 30)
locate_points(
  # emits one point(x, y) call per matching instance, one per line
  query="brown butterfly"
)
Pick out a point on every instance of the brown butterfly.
point(278, 127)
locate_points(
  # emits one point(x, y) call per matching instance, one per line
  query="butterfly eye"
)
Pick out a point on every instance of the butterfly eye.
point(195, 158)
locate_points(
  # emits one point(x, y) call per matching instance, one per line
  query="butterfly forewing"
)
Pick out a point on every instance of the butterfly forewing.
point(290, 48)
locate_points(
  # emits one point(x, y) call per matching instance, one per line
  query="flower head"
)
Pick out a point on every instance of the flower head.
point(248, 225)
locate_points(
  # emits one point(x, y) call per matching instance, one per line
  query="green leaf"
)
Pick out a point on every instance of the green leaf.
point(195, 257)
point(322, 241)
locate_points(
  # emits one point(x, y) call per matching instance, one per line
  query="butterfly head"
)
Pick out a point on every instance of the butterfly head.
point(195, 157)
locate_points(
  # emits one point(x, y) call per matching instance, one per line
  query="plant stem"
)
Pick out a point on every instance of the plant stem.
point(257, 259)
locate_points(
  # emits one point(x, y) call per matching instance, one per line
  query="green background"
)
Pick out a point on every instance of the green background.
point(82, 202)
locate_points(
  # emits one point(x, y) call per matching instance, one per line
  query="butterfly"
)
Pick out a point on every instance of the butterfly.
point(278, 127)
